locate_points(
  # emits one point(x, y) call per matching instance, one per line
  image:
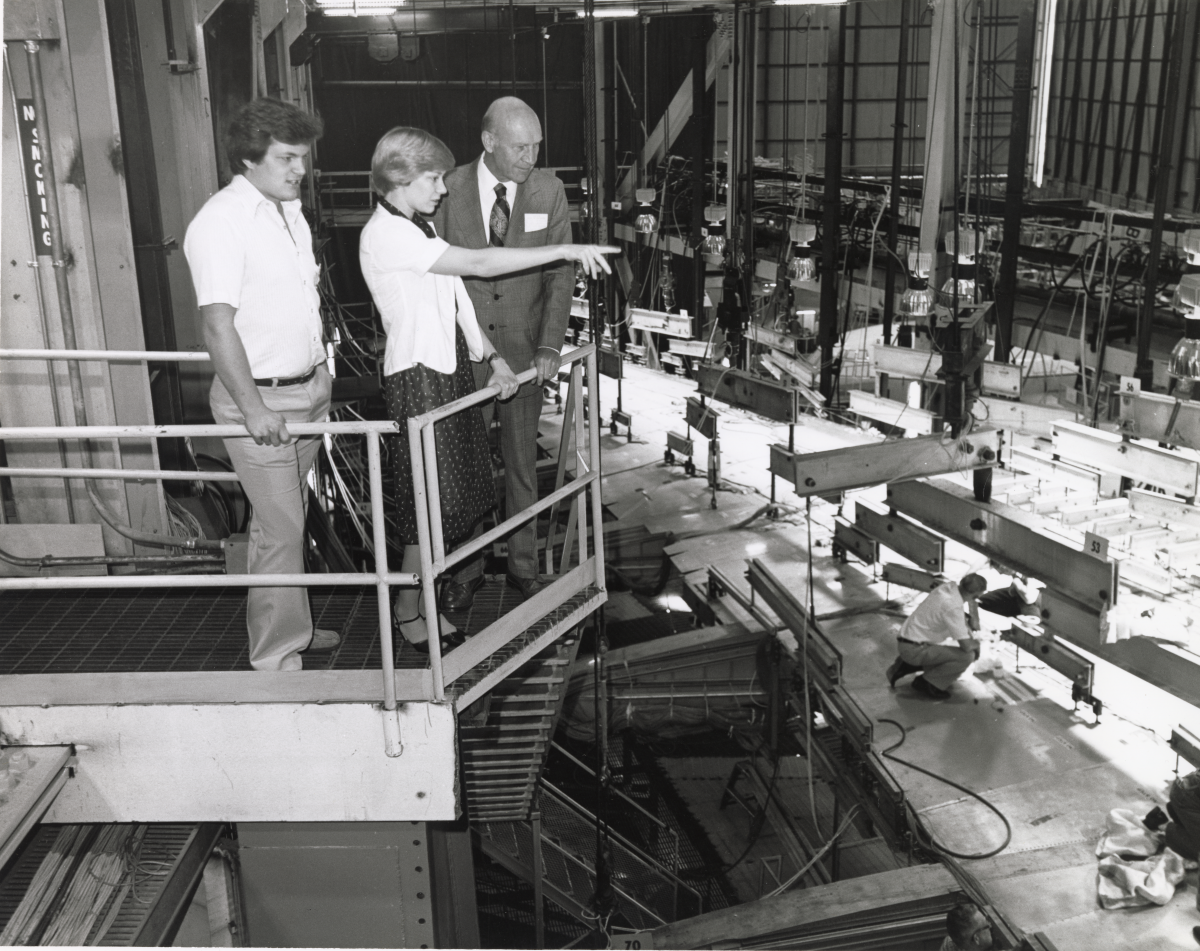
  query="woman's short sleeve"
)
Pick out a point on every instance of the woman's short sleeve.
point(398, 243)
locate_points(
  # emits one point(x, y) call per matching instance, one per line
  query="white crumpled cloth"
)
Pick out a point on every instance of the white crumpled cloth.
point(1125, 884)
point(1132, 869)
point(1125, 836)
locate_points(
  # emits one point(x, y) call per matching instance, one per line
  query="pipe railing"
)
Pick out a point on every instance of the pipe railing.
point(434, 559)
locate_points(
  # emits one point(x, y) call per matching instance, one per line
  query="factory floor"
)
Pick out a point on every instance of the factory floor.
point(1013, 736)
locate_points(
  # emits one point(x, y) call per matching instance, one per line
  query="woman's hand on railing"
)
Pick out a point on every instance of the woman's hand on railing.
point(590, 256)
point(503, 377)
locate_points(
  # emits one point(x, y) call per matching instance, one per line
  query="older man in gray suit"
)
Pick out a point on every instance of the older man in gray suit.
point(502, 200)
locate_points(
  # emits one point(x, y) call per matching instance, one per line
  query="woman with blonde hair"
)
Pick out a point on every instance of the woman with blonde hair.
point(415, 279)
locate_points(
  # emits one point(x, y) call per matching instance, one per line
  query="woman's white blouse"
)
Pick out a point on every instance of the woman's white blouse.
point(419, 309)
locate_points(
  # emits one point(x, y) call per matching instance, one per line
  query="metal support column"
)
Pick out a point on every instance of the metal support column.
point(1174, 109)
point(700, 123)
point(831, 215)
point(1018, 146)
point(889, 293)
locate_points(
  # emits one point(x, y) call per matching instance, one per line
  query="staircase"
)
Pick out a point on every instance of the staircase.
point(561, 837)
point(503, 737)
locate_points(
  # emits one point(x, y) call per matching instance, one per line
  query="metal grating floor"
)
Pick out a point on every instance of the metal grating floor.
point(182, 629)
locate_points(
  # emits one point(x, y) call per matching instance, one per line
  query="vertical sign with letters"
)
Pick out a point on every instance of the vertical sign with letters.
point(35, 175)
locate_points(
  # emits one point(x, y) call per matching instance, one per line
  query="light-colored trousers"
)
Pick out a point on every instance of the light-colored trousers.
point(275, 480)
point(942, 665)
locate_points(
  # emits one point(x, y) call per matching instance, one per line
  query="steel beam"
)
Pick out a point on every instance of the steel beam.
point(1108, 452)
point(911, 541)
point(847, 537)
point(1018, 146)
point(825, 660)
point(1072, 665)
point(739, 388)
point(1162, 418)
point(1184, 742)
point(910, 577)
point(898, 126)
point(1010, 537)
point(823, 473)
point(1168, 510)
point(911, 419)
point(831, 213)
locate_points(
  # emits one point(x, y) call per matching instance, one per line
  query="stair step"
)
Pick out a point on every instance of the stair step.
point(472, 755)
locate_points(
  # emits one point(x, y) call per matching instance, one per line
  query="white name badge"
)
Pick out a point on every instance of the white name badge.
point(537, 222)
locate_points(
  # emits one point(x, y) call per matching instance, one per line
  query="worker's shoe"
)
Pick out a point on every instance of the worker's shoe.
point(899, 669)
point(527, 586)
point(1196, 934)
point(324, 640)
point(458, 596)
point(921, 685)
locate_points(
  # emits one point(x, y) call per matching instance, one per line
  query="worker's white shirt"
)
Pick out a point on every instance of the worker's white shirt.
point(487, 196)
point(938, 617)
point(948, 944)
point(419, 309)
point(242, 254)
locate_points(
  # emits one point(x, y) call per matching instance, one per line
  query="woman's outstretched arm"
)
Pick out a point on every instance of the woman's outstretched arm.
point(492, 262)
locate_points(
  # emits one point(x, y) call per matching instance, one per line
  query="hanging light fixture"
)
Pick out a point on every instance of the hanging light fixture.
point(802, 267)
point(359, 8)
point(645, 222)
point(962, 245)
point(966, 291)
point(1191, 246)
point(1184, 363)
point(917, 301)
point(585, 206)
point(714, 230)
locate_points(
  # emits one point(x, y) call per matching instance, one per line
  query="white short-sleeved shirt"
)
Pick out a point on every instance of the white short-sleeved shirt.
point(242, 254)
point(419, 309)
point(938, 617)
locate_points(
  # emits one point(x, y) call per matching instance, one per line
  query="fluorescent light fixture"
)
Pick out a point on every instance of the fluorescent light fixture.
point(600, 11)
point(810, 3)
point(358, 8)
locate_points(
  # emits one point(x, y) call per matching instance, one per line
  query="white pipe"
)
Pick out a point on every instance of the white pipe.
point(404, 579)
point(109, 356)
point(169, 475)
point(225, 431)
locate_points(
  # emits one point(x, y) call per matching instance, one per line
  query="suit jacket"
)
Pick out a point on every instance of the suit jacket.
point(526, 310)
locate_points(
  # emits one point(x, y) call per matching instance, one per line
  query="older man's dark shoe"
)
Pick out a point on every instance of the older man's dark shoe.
point(899, 669)
point(460, 596)
point(921, 685)
point(449, 642)
point(527, 586)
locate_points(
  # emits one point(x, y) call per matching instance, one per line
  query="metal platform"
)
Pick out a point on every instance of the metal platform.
point(194, 629)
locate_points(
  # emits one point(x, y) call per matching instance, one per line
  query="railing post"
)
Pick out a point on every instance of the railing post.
point(434, 495)
point(593, 379)
point(539, 917)
point(421, 508)
point(583, 406)
point(391, 723)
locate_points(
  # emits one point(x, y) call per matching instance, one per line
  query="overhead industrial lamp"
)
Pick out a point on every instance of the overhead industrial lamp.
point(602, 11)
point(802, 267)
point(645, 222)
point(966, 291)
point(1191, 246)
point(358, 8)
point(917, 301)
point(714, 230)
point(962, 244)
point(1185, 358)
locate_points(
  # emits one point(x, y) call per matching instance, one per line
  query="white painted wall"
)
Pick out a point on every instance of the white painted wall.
point(246, 762)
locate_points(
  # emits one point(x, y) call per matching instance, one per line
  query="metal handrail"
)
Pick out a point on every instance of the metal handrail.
point(425, 484)
point(637, 852)
point(588, 870)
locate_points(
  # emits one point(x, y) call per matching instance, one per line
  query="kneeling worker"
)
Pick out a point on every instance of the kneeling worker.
point(938, 618)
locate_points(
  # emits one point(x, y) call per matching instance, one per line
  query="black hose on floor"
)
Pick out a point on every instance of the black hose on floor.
point(949, 782)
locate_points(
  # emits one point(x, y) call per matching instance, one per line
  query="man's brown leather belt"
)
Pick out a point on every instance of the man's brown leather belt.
point(286, 380)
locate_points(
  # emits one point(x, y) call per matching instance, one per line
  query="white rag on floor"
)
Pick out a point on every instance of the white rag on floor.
point(1124, 884)
point(1126, 837)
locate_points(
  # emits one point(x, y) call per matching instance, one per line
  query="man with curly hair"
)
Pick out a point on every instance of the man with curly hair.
point(250, 251)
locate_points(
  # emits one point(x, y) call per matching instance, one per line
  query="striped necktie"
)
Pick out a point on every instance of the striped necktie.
point(499, 218)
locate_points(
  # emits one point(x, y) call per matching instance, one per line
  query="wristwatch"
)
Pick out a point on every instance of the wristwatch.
point(493, 356)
